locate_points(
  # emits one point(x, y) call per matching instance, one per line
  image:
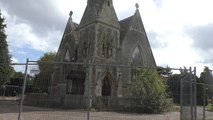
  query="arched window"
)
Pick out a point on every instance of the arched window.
point(107, 45)
point(136, 61)
point(108, 2)
point(137, 56)
point(107, 50)
point(106, 88)
point(103, 49)
point(67, 56)
point(85, 49)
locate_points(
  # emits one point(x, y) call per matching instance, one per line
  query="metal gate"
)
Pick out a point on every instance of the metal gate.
point(188, 95)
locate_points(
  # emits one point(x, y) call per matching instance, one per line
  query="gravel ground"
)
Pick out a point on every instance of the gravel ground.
point(9, 111)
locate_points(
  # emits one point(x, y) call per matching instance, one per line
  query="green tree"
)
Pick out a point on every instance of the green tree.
point(164, 71)
point(42, 80)
point(174, 84)
point(200, 93)
point(150, 92)
point(207, 78)
point(44, 62)
point(18, 77)
point(5, 68)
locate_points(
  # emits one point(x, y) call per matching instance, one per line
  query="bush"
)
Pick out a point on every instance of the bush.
point(151, 91)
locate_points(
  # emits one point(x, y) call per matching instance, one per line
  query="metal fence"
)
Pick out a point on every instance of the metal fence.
point(188, 95)
point(86, 91)
point(204, 101)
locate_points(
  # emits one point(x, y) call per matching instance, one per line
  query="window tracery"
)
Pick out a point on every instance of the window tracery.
point(67, 56)
point(107, 46)
point(136, 60)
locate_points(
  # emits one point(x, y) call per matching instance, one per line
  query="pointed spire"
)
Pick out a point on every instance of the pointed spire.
point(99, 10)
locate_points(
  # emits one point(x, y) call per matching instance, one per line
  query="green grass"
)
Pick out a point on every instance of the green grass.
point(210, 106)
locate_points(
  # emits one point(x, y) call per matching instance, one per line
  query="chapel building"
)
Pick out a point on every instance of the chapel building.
point(105, 42)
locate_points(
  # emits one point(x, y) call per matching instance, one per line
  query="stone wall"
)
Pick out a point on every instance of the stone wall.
point(43, 100)
point(75, 101)
point(81, 102)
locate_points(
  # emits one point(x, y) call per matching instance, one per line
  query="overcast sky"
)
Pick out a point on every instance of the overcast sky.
point(180, 31)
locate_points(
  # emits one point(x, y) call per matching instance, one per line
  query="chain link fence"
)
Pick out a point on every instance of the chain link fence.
point(204, 102)
point(92, 92)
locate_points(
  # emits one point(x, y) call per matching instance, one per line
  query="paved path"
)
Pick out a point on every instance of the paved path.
point(9, 111)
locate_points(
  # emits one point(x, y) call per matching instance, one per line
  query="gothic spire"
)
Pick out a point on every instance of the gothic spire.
point(98, 11)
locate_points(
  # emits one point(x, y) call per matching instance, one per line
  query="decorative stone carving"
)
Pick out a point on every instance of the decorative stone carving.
point(137, 5)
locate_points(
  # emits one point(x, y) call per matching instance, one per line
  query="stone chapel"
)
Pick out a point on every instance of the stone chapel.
point(100, 38)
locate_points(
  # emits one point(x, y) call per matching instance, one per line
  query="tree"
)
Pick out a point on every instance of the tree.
point(164, 71)
point(5, 68)
point(42, 80)
point(207, 78)
point(18, 77)
point(150, 92)
point(174, 84)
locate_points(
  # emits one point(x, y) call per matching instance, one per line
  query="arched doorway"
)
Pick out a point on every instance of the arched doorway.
point(106, 87)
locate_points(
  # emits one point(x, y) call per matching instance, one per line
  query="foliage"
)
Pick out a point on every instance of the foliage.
point(42, 80)
point(200, 93)
point(210, 106)
point(164, 71)
point(44, 62)
point(207, 78)
point(174, 84)
point(18, 77)
point(5, 68)
point(151, 92)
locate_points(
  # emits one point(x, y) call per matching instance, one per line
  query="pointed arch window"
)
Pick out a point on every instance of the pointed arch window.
point(85, 49)
point(107, 45)
point(106, 88)
point(108, 2)
point(107, 50)
point(67, 56)
point(103, 49)
point(136, 60)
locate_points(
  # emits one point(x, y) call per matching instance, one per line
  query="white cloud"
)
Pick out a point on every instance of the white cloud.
point(20, 35)
point(167, 20)
point(14, 60)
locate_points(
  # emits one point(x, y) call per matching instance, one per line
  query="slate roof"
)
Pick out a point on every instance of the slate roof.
point(124, 26)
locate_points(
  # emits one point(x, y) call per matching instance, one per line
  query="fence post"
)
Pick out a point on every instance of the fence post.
point(4, 87)
point(23, 89)
point(89, 96)
point(191, 95)
point(195, 94)
point(204, 102)
point(181, 99)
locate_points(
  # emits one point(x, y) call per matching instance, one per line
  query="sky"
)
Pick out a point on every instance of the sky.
point(179, 31)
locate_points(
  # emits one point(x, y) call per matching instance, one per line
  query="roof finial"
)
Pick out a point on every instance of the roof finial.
point(71, 13)
point(137, 5)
